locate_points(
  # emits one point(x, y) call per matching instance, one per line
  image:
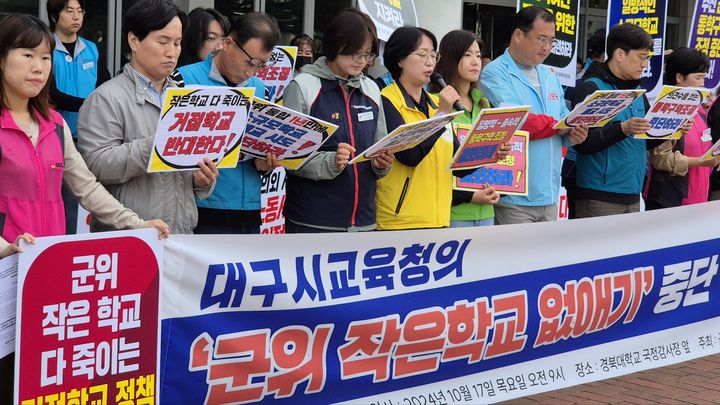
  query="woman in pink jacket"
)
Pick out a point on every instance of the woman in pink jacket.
point(36, 149)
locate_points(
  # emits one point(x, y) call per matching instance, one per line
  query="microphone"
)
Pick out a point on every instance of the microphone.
point(438, 80)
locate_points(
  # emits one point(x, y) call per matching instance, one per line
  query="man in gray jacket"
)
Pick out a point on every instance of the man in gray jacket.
point(117, 123)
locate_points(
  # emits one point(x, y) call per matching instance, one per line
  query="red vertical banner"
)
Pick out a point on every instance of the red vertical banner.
point(87, 319)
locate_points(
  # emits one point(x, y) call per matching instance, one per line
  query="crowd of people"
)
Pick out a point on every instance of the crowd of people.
point(69, 132)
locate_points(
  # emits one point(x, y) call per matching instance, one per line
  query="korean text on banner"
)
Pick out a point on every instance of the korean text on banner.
point(388, 15)
point(599, 108)
point(507, 176)
point(651, 16)
point(200, 121)
point(277, 76)
point(87, 318)
point(272, 202)
point(492, 128)
point(672, 108)
point(291, 136)
point(407, 136)
point(445, 315)
point(704, 35)
point(564, 53)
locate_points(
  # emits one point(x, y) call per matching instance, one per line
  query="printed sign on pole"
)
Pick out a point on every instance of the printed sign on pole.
point(406, 136)
point(277, 76)
point(388, 15)
point(507, 176)
point(672, 108)
point(200, 121)
point(599, 108)
point(87, 318)
point(492, 128)
point(704, 36)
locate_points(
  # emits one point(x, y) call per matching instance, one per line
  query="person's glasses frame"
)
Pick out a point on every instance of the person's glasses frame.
point(254, 62)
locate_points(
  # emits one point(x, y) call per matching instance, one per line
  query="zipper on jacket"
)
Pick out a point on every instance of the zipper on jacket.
point(402, 195)
point(356, 193)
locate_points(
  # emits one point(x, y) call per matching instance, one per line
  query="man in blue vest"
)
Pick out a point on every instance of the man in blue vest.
point(77, 71)
point(518, 78)
point(611, 164)
point(234, 206)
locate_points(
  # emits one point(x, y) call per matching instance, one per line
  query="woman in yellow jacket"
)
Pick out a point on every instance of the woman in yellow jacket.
point(416, 193)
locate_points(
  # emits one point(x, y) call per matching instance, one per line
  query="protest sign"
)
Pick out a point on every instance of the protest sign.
point(651, 16)
point(712, 153)
point(672, 108)
point(8, 303)
point(492, 128)
point(599, 108)
point(407, 136)
point(277, 76)
point(564, 53)
point(288, 134)
point(87, 318)
point(437, 316)
point(507, 176)
point(704, 36)
point(200, 121)
point(388, 15)
point(272, 202)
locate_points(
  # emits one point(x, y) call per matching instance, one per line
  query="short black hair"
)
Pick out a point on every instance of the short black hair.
point(628, 37)
point(256, 25)
point(146, 16)
point(452, 48)
point(684, 61)
point(347, 32)
point(525, 18)
point(54, 7)
point(303, 39)
point(197, 32)
point(402, 42)
point(596, 44)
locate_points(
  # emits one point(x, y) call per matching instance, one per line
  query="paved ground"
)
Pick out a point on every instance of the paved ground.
point(692, 382)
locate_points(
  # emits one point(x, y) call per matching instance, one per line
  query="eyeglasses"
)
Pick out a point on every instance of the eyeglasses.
point(368, 57)
point(543, 40)
point(254, 62)
point(77, 11)
point(433, 57)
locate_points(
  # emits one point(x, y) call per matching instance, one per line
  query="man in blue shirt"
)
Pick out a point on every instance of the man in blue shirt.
point(518, 78)
point(234, 206)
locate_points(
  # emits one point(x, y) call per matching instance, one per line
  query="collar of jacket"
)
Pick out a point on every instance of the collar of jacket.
point(410, 102)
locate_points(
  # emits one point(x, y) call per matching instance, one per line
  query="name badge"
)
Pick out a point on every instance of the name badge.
point(707, 135)
point(88, 65)
point(365, 116)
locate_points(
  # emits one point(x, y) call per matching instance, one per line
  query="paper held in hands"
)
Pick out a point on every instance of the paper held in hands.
point(599, 108)
point(406, 136)
point(292, 136)
point(672, 108)
point(712, 153)
point(492, 128)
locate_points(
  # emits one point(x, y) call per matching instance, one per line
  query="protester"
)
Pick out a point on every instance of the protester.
point(117, 123)
point(77, 70)
point(460, 66)
point(30, 202)
point(305, 52)
point(519, 78)
point(611, 164)
point(417, 192)
point(234, 206)
point(678, 177)
point(327, 194)
point(205, 34)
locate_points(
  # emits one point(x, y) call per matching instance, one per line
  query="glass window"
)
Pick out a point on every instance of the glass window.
point(95, 25)
point(289, 15)
point(324, 11)
point(19, 6)
point(234, 8)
